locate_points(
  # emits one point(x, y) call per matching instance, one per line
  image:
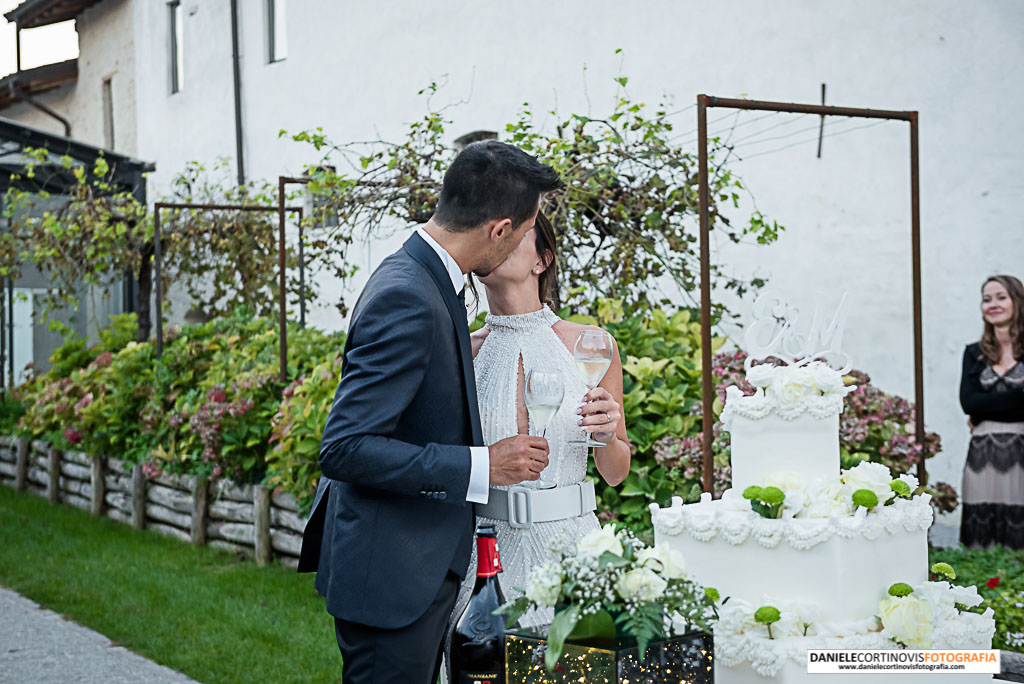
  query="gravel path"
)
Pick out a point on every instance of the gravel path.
point(38, 645)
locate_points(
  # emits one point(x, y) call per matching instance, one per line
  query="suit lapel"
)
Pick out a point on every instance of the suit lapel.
point(419, 250)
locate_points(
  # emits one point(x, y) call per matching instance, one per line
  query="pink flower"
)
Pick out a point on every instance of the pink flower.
point(217, 395)
point(151, 470)
point(73, 436)
point(83, 402)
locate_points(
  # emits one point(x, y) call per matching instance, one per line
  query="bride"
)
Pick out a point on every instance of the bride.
point(521, 334)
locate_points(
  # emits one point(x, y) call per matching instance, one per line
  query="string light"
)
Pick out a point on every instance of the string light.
point(685, 659)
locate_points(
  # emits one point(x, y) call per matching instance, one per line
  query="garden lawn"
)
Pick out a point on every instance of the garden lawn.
point(197, 610)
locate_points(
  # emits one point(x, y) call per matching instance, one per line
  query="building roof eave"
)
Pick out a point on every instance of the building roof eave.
point(36, 13)
point(37, 80)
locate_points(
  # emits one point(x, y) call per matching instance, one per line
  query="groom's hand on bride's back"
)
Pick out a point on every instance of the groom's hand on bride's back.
point(516, 459)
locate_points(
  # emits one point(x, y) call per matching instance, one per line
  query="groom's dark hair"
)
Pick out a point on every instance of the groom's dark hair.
point(492, 180)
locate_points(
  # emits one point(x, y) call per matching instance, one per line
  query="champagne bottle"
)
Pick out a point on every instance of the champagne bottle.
point(478, 643)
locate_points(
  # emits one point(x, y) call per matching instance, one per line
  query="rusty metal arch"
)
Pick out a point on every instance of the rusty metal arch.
point(703, 103)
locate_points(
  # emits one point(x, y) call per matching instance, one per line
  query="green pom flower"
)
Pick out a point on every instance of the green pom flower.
point(900, 589)
point(752, 492)
point(712, 594)
point(944, 569)
point(766, 615)
point(901, 488)
point(772, 496)
point(866, 498)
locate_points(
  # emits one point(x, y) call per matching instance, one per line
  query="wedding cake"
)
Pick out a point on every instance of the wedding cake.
point(805, 556)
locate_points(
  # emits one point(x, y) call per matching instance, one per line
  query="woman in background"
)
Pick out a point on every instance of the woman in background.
point(992, 394)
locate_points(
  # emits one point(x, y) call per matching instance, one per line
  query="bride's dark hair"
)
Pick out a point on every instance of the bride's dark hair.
point(544, 240)
point(544, 243)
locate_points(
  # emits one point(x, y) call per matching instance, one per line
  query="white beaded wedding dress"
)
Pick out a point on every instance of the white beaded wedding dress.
point(530, 337)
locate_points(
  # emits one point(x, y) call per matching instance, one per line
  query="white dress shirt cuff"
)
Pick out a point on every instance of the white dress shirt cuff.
point(479, 475)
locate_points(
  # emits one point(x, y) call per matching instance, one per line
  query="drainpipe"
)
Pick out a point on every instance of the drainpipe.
point(18, 95)
point(236, 66)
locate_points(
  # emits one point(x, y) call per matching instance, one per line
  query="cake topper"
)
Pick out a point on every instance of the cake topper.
point(773, 332)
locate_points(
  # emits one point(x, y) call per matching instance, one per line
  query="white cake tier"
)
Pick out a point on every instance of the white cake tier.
point(791, 673)
point(841, 566)
point(843, 578)
point(760, 447)
point(752, 658)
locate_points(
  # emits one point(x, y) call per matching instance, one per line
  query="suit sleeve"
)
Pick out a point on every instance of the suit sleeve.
point(980, 404)
point(390, 348)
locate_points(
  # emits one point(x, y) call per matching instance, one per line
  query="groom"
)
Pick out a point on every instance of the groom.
point(402, 454)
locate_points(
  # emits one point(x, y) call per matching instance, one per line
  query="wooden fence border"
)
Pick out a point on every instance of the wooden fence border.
point(248, 519)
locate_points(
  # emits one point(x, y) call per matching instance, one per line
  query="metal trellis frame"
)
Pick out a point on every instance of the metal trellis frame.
point(704, 102)
point(282, 181)
point(158, 260)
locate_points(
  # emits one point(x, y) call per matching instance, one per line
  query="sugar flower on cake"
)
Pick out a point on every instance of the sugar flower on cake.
point(761, 375)
point(792, 386)
point(827, 380)
point(789, 391)
point(874, 477)
point(907, 619)
point(829, 499)
point(911, 481)
point(796, 488)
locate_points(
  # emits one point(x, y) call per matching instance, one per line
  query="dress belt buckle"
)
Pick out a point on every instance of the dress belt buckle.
point(520, 499)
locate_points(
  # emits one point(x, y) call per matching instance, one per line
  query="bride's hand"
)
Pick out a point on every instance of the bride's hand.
point(601, 414)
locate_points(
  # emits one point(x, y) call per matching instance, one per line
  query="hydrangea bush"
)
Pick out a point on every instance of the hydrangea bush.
point(204, 408)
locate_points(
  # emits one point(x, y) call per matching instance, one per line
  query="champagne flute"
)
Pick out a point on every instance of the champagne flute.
point(543, 391)
point(593, 354)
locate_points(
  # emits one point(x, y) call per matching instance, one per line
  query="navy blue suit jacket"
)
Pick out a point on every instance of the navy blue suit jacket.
point(390, 517)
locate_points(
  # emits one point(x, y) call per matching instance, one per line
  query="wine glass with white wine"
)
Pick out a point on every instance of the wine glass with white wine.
point(593, 355)
point(543, 391)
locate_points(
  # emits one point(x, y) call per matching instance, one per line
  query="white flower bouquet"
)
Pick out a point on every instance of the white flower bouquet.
point(613, 585)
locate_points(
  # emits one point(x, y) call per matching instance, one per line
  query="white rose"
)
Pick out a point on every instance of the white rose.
point(643, 584)
point(593, 544)
point(873, 476)
point(786, 480)
point(761, 375)
point(908, 620)
point(827, 380)
point(793, 385)
point(911, 481)
point(664, 560)
point(736, 617)
point(828, 500)
point(545, 584)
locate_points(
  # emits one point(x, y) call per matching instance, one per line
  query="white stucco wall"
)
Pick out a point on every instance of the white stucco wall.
point(355, 68)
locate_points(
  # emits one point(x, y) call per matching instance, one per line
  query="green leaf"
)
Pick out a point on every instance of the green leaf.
point(614, 560)
point(561, 627)
point(599, 625)
point(513, 610)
